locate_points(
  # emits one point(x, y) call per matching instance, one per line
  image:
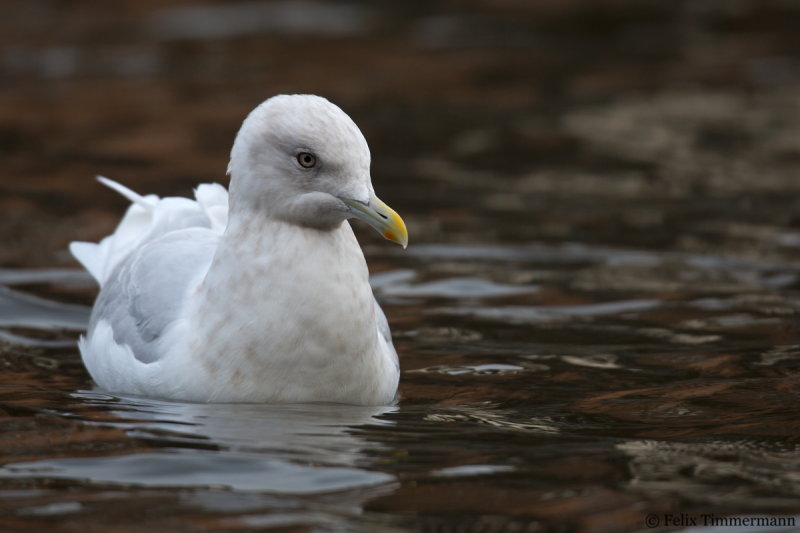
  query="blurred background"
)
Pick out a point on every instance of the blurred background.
point(640, 120)
point(597, 315)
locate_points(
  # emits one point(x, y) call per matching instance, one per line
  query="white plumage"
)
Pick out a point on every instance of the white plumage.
point(262, 296)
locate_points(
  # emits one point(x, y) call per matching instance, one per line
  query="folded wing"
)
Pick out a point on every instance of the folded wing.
point(159, 252)
point(148, 218)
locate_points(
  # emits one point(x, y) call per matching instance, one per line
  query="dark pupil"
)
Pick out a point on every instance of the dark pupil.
point(306, 159)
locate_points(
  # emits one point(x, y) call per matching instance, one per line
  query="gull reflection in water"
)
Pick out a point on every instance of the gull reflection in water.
point(279, 449)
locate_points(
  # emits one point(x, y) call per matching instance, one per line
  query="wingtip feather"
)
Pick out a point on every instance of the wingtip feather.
point(133, 196)
point(88, 255)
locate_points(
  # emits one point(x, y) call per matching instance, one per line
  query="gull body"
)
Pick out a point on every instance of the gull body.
point(257, 294)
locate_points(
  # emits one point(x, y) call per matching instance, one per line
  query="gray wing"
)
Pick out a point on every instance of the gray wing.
point(145, 292)
point(385, 332)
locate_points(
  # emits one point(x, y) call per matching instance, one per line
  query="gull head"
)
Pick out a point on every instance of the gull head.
point(300, 159)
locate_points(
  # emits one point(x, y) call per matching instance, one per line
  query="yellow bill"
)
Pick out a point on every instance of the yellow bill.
point(381, 217)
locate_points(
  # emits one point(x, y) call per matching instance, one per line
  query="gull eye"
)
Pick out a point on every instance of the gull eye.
point(306, 159)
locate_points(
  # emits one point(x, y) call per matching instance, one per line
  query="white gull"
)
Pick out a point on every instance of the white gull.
point(257, 294)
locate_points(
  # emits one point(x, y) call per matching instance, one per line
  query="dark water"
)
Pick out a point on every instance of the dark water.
point(597, 315)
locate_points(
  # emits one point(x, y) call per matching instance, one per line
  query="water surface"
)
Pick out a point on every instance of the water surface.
point(597, 316)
